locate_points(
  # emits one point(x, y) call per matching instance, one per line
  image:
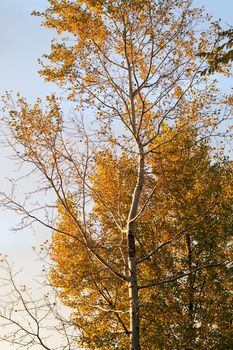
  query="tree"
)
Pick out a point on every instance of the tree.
point(30, 320)
point(189, 218)
point(221, 55)
point(134, 63)
point(197, 194)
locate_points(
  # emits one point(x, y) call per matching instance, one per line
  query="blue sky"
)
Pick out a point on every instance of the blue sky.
point(22, 42)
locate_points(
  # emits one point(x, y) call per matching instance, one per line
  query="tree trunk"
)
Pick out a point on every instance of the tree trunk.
point(191, 309)
point(133, 295)
point(133, 283)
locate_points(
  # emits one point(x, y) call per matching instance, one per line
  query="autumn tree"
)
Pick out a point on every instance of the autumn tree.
point(195, 199)
point(135, 64)
point(187, 221)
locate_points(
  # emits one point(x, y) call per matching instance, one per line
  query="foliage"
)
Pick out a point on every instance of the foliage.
point(221, 55)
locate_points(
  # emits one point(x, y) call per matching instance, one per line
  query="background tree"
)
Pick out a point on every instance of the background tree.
point(134, 63)
point(194, 190)
point(221, 55)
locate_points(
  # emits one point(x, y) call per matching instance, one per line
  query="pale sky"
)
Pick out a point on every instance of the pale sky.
point(22, 42)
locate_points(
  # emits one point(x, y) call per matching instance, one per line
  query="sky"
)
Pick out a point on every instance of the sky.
point(22, 41)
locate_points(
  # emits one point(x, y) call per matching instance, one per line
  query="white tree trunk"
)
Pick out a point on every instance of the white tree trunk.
point(133, 283)
point(133, 296)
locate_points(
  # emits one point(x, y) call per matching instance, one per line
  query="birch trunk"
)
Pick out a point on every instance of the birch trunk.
point(133, 296)
point(133, 283)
